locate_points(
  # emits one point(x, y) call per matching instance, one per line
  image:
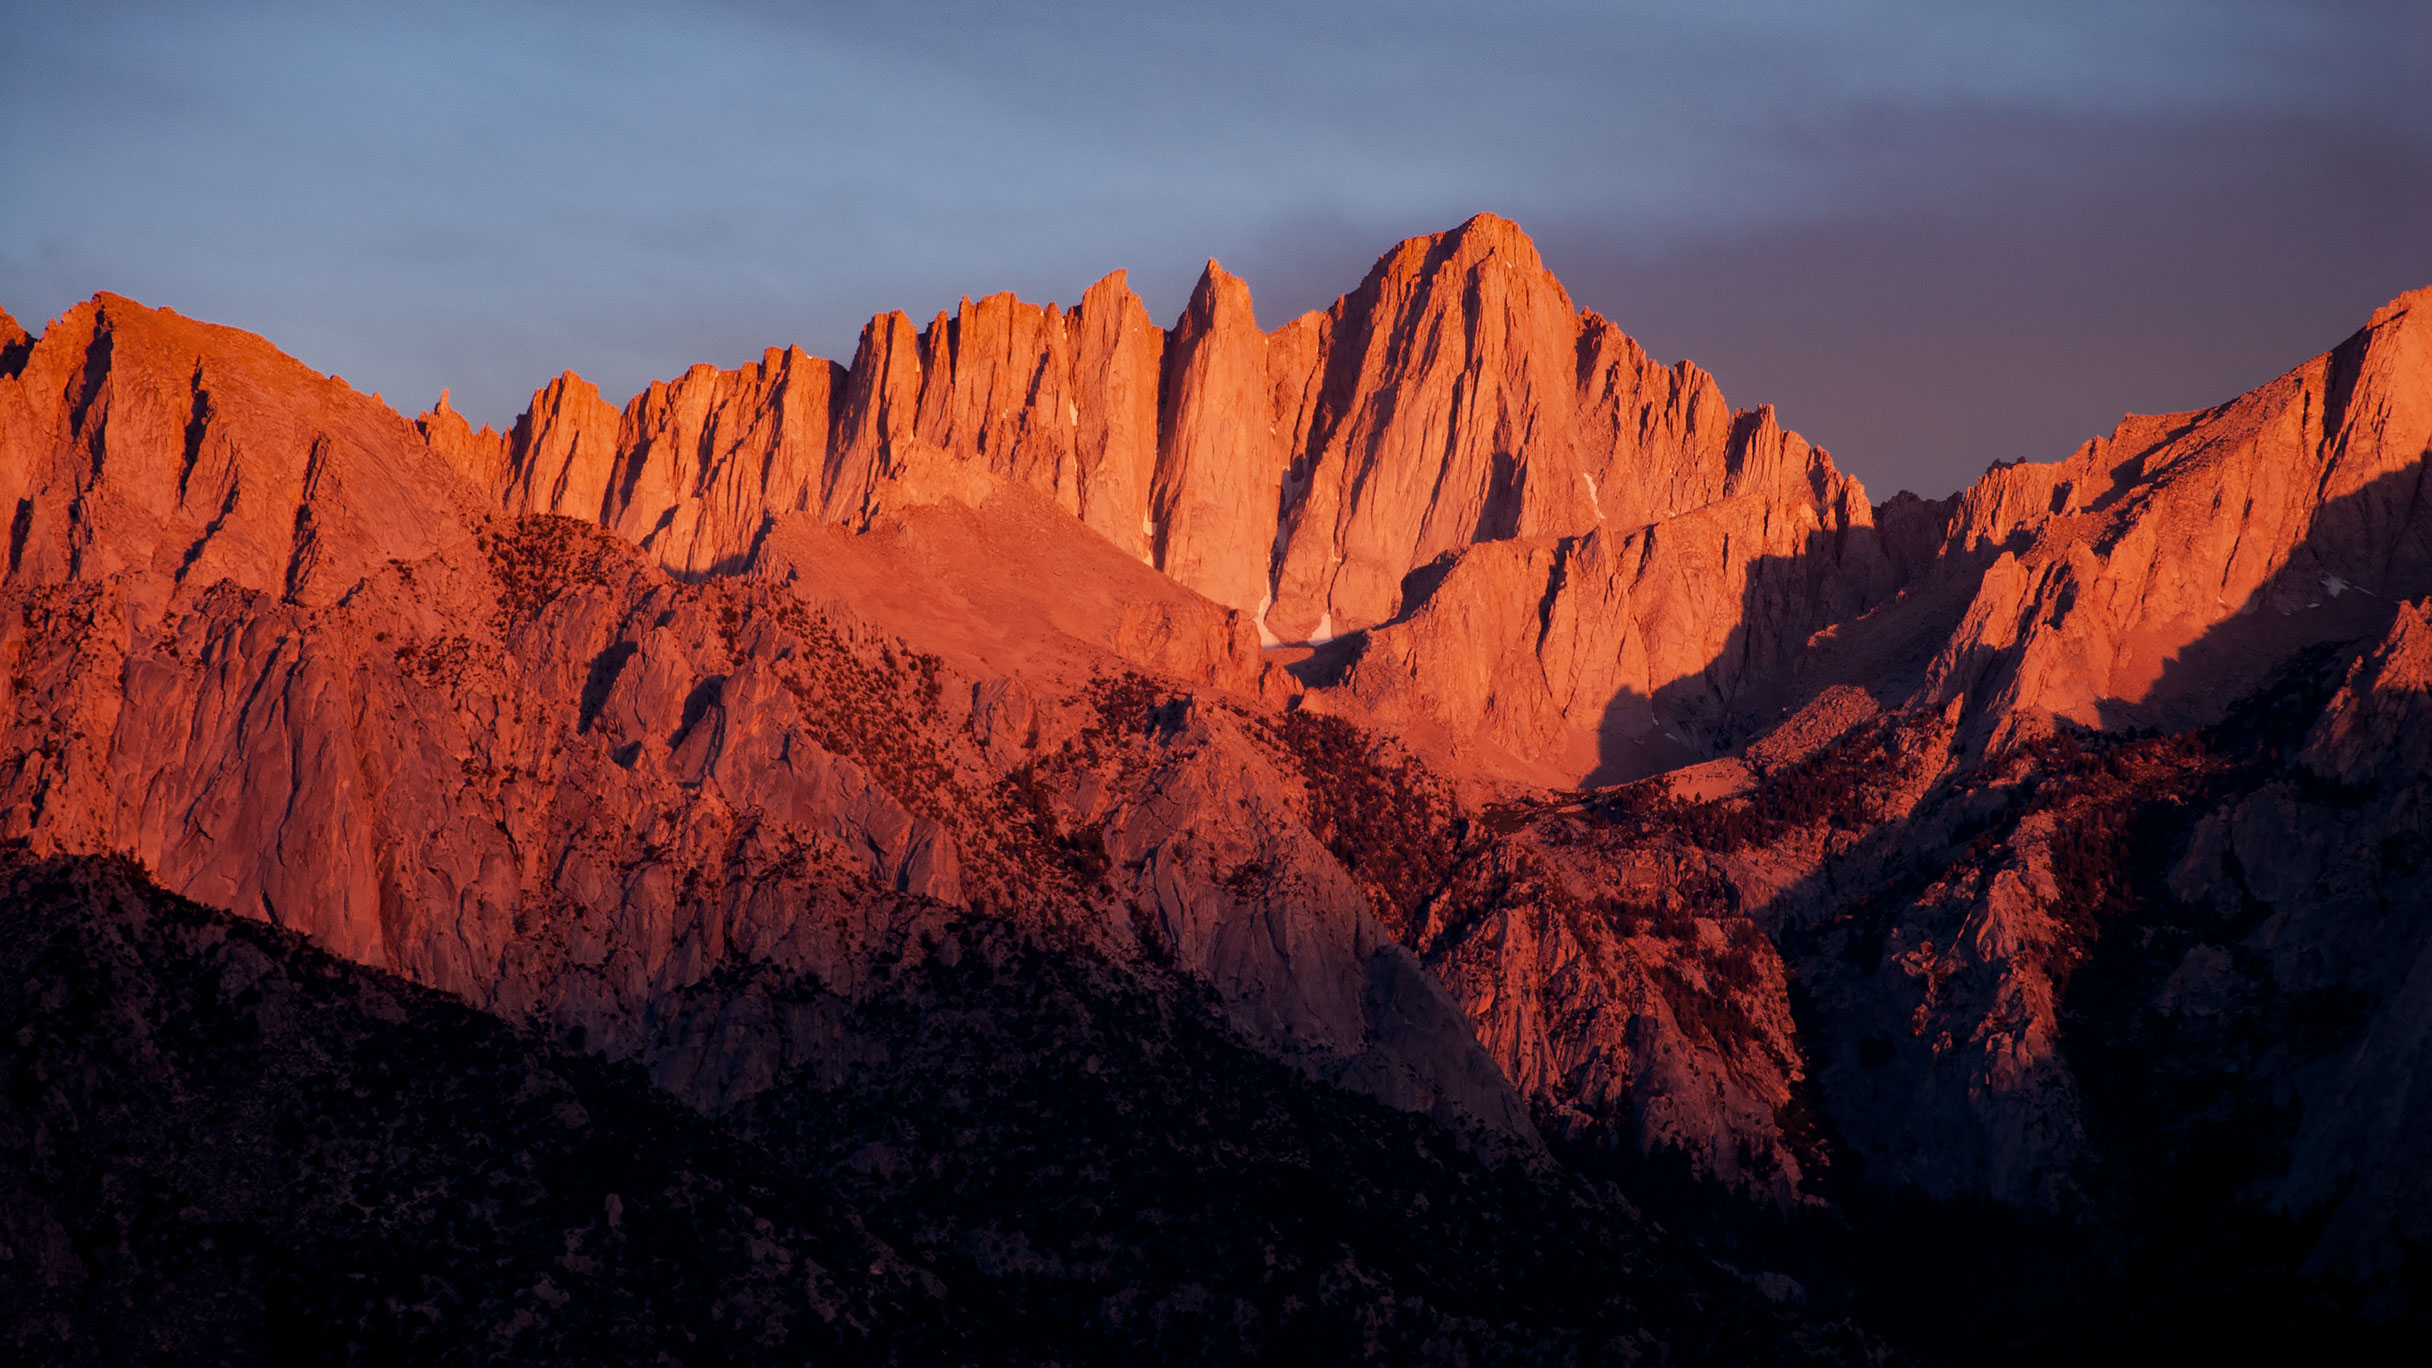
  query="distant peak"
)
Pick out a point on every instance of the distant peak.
point(1487, 234)
point(1477, 239)
point(1493, 224)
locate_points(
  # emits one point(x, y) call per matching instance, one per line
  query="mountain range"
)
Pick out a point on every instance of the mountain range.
point(1419, 834)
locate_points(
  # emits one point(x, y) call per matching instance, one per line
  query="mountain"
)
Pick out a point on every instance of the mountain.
point(1939, 912)
point(487, 1194)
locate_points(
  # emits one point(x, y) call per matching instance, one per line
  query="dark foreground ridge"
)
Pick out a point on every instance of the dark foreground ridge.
point(1419, 835)
point(223, 1145)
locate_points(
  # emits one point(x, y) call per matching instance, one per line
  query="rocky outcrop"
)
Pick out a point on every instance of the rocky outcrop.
point(564, 452)
point(2379, 725)
point(1622, 652)
point(157, 452)
point(1220, 465)
point(1456, 397)
point(2078, 816)
point(1323, 478)
point(2167, 569)
point(704, 463)
point(481, 457)
point(15, 344)
point(261, 635)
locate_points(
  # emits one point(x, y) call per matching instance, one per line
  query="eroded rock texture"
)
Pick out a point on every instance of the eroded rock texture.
point(1489, 720)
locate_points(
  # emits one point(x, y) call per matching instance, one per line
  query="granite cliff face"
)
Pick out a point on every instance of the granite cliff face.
point(2056, 847)
point(1455, 397)
point(1325, 478)
point(516, 760)
point(2165, 570)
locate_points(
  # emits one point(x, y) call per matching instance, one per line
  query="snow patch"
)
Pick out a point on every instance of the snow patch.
point(1266, 601)
point(1593, 501)
point(1325, 630)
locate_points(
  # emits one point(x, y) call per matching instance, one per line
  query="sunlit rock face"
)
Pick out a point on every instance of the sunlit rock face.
point(1484, 719)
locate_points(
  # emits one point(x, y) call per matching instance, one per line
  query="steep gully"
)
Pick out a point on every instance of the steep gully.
point(1916, 910)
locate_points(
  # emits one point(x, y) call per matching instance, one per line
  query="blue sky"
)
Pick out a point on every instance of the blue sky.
point(1933, 235)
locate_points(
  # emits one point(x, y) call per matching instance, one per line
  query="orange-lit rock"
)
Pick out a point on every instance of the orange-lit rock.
point(794, 663)
point(2164, 570)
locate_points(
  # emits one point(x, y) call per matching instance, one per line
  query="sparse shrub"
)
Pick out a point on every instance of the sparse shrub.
point(1380, 812)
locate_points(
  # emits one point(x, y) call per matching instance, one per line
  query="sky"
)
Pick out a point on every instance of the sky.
point(1933, 235)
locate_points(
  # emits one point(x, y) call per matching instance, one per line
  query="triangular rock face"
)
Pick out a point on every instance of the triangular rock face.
point(1220, 463)
point(1457, 397)
point(136, 442)
point(1445, 412)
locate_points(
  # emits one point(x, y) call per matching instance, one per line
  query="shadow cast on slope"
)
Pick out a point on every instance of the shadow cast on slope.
point(228, 1141)
point(1841, 582)
point(2364, 554)
point(2171, 1256)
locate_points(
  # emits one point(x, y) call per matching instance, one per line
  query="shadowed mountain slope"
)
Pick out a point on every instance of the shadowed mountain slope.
point(224, 1145)
point(802, 732)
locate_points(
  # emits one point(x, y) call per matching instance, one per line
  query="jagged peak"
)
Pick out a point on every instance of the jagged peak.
point(1488, 232)
point(2415, 300)
point(1218, 293)
point(16, 344)
point(566, 383)
point(888, 329)
point(1475, 240)
point(1214, 276)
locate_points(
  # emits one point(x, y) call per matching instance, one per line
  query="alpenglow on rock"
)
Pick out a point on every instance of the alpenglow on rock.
point(1449, 704)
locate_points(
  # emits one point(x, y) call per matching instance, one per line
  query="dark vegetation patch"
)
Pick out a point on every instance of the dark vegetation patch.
point(222, 1145)
point(1079, 854)
point(225, 1146)
point(440, 662)
point(1114, 1176)
point(1711, 992)
point(1384, 815)
point(873, 702)
point(2120, 812)
point(1837, 788)
point(538, 559)
point(1045, 860)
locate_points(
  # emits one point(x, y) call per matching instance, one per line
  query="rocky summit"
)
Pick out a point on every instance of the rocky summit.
point(1419, 835)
